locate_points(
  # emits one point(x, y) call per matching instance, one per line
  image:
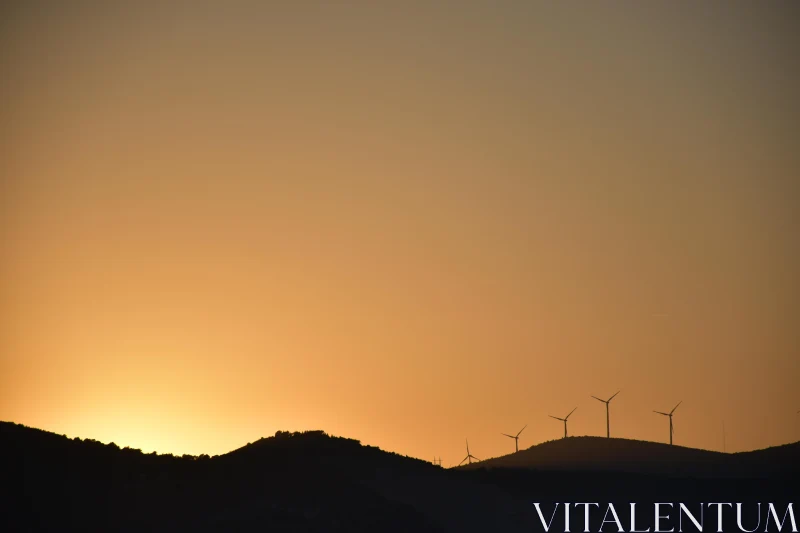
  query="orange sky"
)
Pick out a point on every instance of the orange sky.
point(407, 225)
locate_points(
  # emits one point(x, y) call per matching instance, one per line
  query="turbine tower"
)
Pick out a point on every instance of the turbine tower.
point(564, 420)
point(671, 428)
point(516, 438)
point(469, 457)
point(608, 426)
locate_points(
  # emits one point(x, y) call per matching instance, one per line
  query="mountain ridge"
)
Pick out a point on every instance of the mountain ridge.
point(636, 456)
point(311, 481)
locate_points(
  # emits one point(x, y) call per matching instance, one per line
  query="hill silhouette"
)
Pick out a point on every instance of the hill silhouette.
point(311, 481)
point(592, 454)
point(305, 481)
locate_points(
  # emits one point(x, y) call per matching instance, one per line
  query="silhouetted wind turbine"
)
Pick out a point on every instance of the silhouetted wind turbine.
point(608, 426)
point(469, 457)
point(671, 429)
point(516, 437)
point(564, 420)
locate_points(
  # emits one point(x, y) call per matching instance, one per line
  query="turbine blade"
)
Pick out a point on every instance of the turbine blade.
point(521, 430)
point(598, 399)
point(659, 412)
point(615, 395)
point(462, 460)
point(673, 409)
point(567, 417)
point(507, 435)
point(551, 416)
point(474, 457)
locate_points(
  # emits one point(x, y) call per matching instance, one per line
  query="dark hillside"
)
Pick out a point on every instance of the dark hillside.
point(290, 482)
point(306, 482)
point(314, 482)
point(597, 454)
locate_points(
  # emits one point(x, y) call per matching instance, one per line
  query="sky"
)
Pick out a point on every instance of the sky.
point(409, 223)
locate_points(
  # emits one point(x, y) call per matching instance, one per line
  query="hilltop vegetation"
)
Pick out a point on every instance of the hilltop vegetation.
point(311, 481)
point(300, 479)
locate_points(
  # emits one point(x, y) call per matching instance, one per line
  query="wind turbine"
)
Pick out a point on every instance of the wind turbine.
point(671, 429)
point(564, 420)
point(469, 457)
point(608, 426)
point(516, 437)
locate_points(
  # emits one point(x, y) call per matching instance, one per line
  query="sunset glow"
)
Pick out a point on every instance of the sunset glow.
point(222, 220)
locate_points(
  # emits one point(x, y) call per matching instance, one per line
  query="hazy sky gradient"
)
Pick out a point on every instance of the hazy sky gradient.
point(403, 222)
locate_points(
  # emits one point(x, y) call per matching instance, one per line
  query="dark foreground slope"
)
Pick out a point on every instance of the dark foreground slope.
point(289, 482)
point(597, 454)
point(311, 482)
point(621, 472)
